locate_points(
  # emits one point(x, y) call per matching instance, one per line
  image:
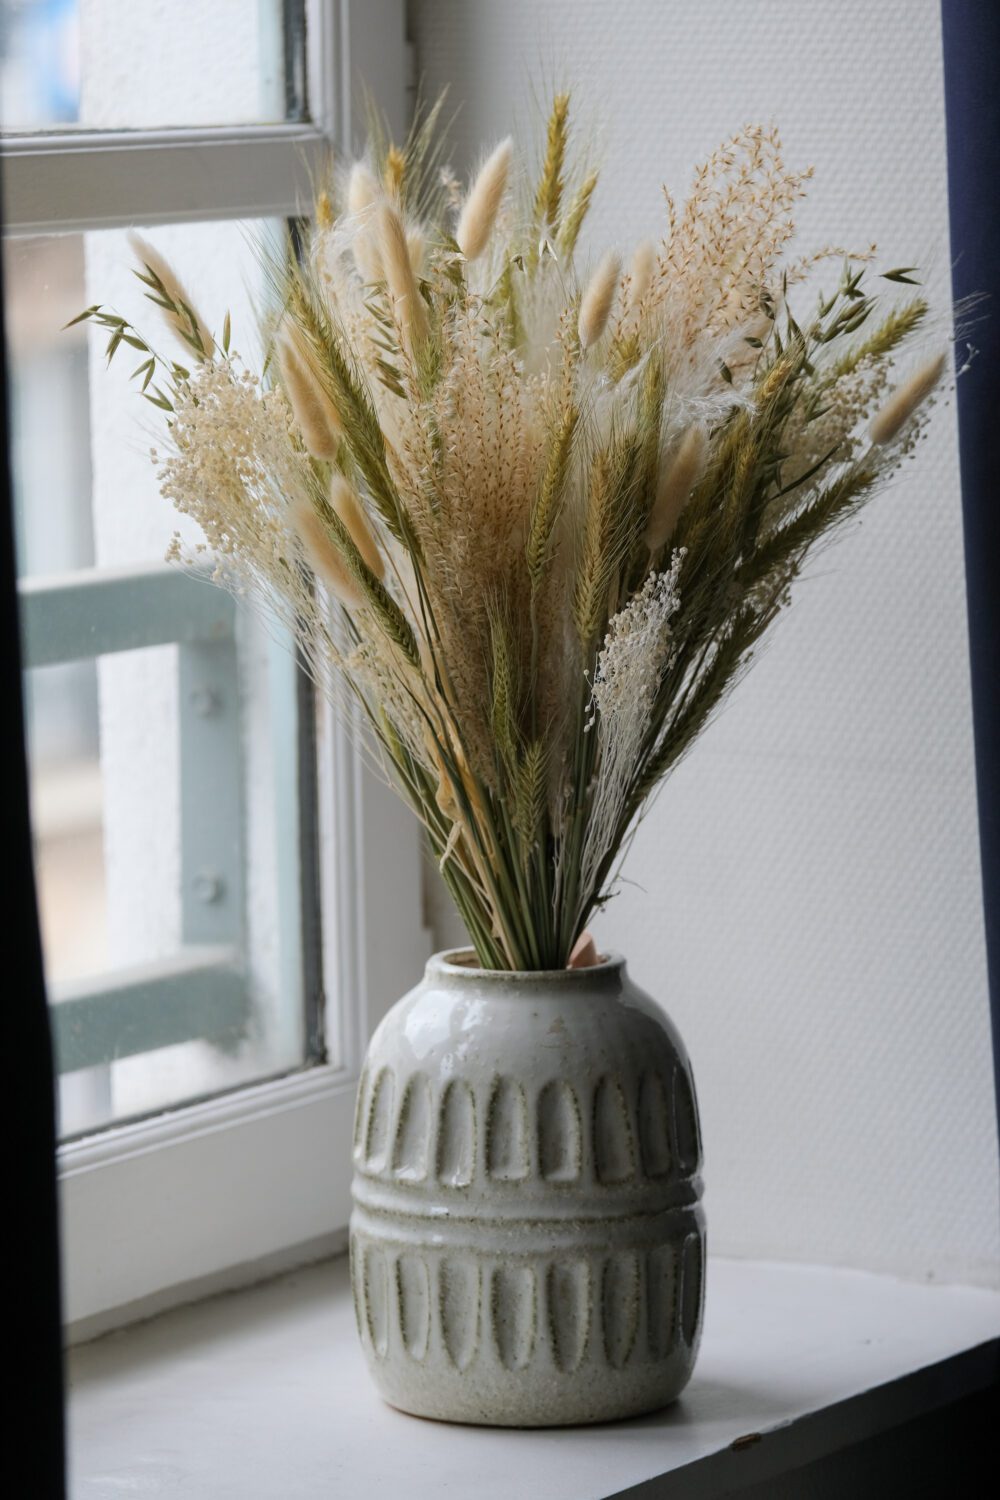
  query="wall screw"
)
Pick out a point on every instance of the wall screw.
point(208, 887)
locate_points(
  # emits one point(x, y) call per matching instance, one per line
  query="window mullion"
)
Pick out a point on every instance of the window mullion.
point(56, 184)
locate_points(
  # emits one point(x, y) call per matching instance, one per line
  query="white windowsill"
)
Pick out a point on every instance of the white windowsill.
point(264, 1393)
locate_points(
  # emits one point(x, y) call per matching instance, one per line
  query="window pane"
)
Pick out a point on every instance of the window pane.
point(172, 949)
point(67, 818)
point(85, 63)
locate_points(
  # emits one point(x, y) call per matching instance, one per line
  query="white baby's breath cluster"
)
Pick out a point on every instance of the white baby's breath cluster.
point(634, 659)
point(636, 649)
point(234, 465)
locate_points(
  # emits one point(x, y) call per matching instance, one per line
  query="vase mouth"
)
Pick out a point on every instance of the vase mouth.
point(461, 963)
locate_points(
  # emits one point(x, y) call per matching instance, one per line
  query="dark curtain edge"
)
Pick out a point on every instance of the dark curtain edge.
point(37, 1416)
point(971, 56)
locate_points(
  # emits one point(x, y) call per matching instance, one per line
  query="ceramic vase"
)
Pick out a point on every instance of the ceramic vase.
point(527, 1239)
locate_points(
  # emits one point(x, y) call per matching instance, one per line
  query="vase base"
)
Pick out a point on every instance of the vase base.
point(575, 1414)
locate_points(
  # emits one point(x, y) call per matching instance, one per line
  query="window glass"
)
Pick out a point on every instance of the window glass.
point(84, 64)
point(163, 777)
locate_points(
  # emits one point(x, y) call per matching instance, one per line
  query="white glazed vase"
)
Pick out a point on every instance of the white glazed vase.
point(527, 1240)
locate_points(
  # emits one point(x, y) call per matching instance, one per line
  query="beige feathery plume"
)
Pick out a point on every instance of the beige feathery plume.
point(325, 560)
point(482, 203)
point(674, 489)
point(595, 308)
point(366, 254)
point(183, 327)
point(312, 408)
point(362, 189)
point(395, 171)
point(641, 273)
point(903, 402)
point(363, 192)
point(344, 500)
point(398, 271)
point(416, 245)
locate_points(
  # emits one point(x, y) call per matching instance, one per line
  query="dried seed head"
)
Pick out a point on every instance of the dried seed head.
point(398, 270)
point(324, 210)
point(416, 245)
point(363, 192)
point(366, 254)
point(324, 559)
point(676, 483)
point(548, 198)
point(312, 408)
point(569, 229)
point(480, 209)
point(902, 404)
point(395, 171)
point(345, 502)
point(186, 322)
point(595, 308)
point(641, 273)
point(362, 189)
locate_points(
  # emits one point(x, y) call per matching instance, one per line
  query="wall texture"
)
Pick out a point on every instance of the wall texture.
point(804, 897)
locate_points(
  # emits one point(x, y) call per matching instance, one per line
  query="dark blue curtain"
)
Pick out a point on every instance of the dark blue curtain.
point(971, 39)
point(33, 1334)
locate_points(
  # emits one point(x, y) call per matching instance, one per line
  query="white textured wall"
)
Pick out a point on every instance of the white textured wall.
point(804, 898)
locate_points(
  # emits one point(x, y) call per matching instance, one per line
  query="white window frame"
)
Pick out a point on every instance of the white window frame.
point(219, 1192)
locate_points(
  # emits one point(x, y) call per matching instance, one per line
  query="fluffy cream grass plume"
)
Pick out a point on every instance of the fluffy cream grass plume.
point(344, 500)
point(416, 246)
point(399, 275)
point(324, 559)
point(481, 206)
point(674, 489)
point(903, 403)
point(595, 306)
point(363, 193)
point(362, 189)
point(184, 327)
point(641, 274)
point(314, 412)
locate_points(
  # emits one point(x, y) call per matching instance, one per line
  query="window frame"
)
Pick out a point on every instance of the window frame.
point(216, 1192)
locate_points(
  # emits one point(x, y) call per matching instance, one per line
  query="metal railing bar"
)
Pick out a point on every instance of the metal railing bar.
point(200, 995)
point(94, 611)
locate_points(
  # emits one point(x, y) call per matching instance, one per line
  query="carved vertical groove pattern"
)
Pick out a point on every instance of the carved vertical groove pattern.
point(458, 1289)
point(379, 1128)
point(560, 1136)
point(376, 1291)
point(413, 1299)
point(614, 1153)
point(662, 1287)
point(620, 1307)
point(686, 1121)
point(514, 1313)
point(359, 1110)
point(654, 1125)
point(507, 1132)
point(411, 1148)
point(567, 1289)
point(456, 1144)
point(693, 1287)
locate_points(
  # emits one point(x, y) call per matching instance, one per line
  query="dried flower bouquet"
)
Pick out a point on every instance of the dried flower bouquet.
point(534, 516)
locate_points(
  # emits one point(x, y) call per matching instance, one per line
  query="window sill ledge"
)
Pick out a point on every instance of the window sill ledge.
point(263, 1393)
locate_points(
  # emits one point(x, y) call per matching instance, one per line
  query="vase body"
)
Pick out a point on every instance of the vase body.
point(527, 1239)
